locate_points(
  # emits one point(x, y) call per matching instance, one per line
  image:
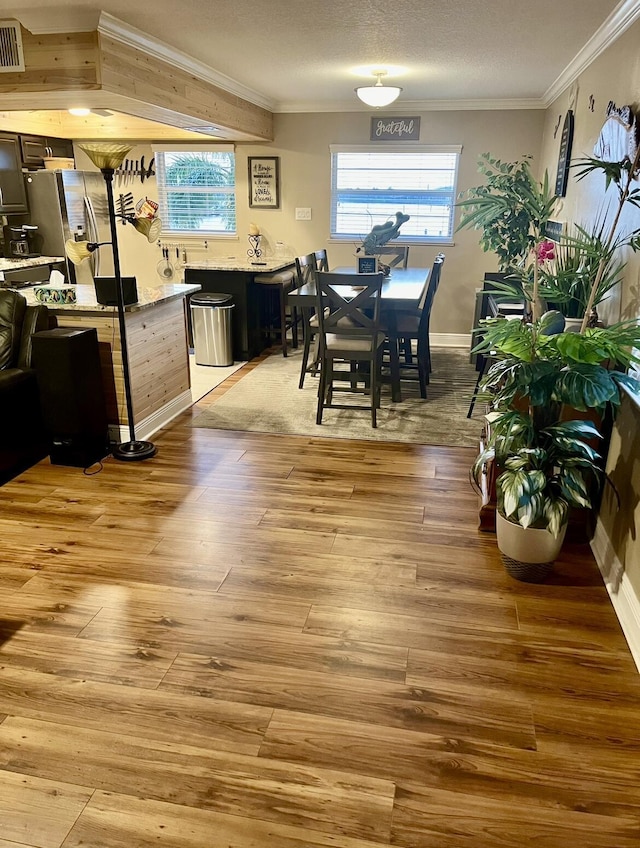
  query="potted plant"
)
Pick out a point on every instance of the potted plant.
point(543, 385)
point(567, 276)
point(511, 209)
point(549, 389)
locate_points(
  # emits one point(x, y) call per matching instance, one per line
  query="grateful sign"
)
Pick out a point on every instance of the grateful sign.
point(395, 129)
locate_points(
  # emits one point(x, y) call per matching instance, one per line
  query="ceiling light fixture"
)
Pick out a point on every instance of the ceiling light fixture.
point(378, 95)
point(82, 112)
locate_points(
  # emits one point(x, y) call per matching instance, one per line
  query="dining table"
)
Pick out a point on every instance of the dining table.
point(402, 289)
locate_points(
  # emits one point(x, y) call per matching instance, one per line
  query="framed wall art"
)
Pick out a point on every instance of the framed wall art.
point(264, 182)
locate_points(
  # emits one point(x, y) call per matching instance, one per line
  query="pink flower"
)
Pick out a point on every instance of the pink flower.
point(545, 250)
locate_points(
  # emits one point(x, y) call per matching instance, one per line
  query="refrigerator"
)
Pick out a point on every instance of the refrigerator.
point(71, 204)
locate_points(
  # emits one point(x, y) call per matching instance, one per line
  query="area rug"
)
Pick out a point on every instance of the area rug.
point(268, 400)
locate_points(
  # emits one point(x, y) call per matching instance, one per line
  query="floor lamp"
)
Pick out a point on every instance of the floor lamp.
point(108, 156)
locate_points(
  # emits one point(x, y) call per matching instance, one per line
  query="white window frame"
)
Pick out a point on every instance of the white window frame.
point(379, 218)
point(158, 151)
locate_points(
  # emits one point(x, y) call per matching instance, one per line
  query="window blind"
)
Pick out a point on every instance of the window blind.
point(369, 185)
point(196, 191)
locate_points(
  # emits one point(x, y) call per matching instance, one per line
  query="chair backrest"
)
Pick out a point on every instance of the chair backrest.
point(322, 260)
point(305, 266)
point(399, 255)
point(348, 304)
point(430, 293)
point(18, 322)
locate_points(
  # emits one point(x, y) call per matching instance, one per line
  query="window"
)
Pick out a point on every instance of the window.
point(369, 185)
point(197, 191)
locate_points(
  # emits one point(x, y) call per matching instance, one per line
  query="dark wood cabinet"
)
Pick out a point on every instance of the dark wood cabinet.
point(13, 195)
point(34, 149)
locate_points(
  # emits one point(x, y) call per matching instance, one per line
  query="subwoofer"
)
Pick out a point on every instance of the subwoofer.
point(67, 363)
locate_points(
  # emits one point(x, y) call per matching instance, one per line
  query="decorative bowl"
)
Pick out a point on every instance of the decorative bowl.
point(59, 163)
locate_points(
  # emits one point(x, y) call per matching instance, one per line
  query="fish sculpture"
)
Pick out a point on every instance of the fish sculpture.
point(382, 233)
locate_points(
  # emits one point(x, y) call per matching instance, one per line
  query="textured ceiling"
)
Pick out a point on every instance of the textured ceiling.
point(303, 54)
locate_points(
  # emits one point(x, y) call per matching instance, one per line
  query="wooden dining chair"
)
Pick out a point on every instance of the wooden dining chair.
point(305, 267)
point(322, 260)
point(398, 255)
point(348, 311)
point(413, 326)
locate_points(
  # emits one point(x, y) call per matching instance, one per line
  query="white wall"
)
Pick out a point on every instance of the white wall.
point(613, 76)
point(302, 143)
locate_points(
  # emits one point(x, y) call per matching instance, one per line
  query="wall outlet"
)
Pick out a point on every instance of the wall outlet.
point(303, 213)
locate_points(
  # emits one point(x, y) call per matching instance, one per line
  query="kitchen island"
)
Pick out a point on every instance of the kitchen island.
point(157, 347)
point(28, 269)
point(234, 275)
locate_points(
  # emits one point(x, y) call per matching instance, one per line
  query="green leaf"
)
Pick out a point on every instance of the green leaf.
point(574, 488)
point(556, 513)
point(586, 387)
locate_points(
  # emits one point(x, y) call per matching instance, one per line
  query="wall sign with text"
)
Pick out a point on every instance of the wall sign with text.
point(564, 157)
point(389, 128)
point(264, 181)
point(367, 265)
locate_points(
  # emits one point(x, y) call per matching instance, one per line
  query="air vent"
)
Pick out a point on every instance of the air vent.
point(11, 55)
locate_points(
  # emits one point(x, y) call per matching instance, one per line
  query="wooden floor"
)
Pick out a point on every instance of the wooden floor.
point(254, 641)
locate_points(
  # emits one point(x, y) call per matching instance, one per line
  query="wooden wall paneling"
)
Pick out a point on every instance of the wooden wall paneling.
point(130, 72)
point(56, 61)
point(129, 80)
point(158, 357)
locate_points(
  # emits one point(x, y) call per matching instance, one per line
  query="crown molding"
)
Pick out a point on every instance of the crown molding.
point(412, 105)
point(626, 14)
point(53, 21)
point(132, 37)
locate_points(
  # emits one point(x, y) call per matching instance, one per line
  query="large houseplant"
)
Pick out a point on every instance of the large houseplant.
point(544, 386)
point(510, 209)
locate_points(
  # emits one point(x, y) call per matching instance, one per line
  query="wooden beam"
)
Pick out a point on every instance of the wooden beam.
point(129, 80)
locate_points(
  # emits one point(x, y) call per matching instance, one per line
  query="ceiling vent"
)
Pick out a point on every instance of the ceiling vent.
point(11, 55)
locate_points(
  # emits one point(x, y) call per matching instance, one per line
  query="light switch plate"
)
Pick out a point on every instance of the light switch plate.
point(303, 213)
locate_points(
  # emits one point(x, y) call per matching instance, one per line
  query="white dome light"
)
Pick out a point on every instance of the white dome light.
point(378, 95)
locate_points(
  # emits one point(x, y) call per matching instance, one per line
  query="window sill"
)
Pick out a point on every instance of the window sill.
point(184, 236)
point(394, 243)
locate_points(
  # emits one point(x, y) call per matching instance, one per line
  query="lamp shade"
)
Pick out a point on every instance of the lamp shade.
point(106, 155)
point(78, 251)
point(149, 227)
point(378, 95)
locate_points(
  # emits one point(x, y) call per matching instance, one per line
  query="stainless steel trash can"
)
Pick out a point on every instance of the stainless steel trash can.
point(211, 321)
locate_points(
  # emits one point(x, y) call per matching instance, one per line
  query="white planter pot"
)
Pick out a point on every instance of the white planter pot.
point(572, 325)
point(528, 553)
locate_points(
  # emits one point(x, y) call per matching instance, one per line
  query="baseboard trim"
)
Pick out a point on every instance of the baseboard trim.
point(625, 601)
point(150, 425)
point(450, 340)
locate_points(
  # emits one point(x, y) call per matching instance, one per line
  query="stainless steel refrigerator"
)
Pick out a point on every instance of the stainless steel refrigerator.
point(71, 204)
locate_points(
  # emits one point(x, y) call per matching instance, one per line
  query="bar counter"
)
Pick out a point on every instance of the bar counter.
point(86, 298)
point(234, 275)
point(158, 353)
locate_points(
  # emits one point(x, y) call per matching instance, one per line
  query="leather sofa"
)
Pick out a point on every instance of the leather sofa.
point(23, 438)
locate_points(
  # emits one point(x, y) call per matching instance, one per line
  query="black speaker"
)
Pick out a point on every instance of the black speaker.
point(67, 363)
point(107, 290)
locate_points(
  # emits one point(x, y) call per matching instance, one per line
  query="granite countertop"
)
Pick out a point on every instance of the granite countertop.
point(148, 296)
point(241, 263)
point(33, 262)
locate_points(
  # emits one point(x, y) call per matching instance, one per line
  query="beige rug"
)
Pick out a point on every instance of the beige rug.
point(267, 400)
